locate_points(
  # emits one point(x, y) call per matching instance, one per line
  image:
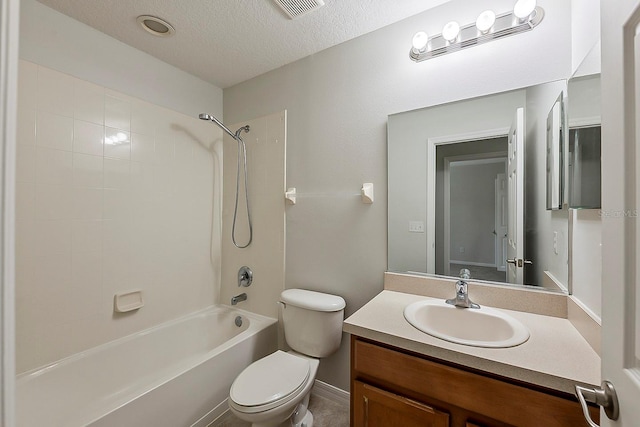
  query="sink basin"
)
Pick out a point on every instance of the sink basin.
point(483, 327)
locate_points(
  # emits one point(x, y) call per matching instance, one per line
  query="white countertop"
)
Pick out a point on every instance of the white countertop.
point(556, 356)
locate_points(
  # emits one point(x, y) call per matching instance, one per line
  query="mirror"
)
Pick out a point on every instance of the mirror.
point(467, 189)
point(555, 149)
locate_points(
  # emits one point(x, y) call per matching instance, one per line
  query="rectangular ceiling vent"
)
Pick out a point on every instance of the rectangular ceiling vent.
point(296, 8)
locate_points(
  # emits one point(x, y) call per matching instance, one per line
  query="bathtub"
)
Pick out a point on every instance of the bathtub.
point(174, 374)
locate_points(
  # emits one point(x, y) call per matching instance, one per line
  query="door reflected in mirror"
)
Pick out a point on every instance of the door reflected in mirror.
point(472, 173)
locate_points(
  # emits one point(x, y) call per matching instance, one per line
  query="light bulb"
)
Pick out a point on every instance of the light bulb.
point(524, 8)
point(420, 40)
point(485, 21)
point(450, 31)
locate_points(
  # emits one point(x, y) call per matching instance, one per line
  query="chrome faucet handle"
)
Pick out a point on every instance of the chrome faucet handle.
point(462, 288)
point(462, 296)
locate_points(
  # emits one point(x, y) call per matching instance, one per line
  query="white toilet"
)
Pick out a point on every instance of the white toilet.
point(275, 390)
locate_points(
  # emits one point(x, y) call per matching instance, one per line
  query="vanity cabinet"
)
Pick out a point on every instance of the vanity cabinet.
point(379, 408)
point(391, 387)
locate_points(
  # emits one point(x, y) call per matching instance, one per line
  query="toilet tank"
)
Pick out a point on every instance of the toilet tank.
point(312, 321)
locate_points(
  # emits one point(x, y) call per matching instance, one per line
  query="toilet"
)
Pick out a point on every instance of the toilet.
point(274, 391)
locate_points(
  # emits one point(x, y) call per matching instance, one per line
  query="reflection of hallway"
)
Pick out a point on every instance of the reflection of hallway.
point(479, 273)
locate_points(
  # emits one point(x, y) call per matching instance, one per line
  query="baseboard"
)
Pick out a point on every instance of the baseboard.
point(550, 281)
point(472, 263)
point(212, 417)
point(330, 392)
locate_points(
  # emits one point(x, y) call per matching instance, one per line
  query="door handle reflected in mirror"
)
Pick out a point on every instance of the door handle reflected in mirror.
point(518, 262)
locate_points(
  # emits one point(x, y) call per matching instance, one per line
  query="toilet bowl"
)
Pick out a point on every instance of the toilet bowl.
point(274, 391)
point(270, 390)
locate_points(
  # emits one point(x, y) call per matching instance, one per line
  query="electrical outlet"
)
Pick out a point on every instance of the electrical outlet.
point(416, 227)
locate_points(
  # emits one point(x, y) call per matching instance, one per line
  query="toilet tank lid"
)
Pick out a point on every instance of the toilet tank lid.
point(312, 300)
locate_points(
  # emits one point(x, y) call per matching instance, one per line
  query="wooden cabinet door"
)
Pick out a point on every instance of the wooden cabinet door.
point(374, 407)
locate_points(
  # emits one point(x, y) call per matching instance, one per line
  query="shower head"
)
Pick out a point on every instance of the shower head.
point(205, 116)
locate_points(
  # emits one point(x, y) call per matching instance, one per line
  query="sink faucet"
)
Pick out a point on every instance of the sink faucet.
point(462, 293)
point(238, 298)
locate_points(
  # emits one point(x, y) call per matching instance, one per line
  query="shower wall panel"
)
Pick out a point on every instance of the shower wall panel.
point(113, 194)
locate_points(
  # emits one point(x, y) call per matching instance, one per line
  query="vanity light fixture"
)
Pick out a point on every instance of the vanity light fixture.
point(523, 9)
point(485, 21)
point(451, 31)
point(525, 16)
point(419, 42)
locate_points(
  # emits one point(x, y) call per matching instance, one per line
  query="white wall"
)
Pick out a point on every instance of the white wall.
point(585, 29)
point(584, 107)
point(54, 40)
point(587, 258)
point(338, 101)
point(542, 223)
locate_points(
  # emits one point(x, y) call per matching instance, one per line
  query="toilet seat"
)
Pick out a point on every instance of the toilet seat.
point(269, 382)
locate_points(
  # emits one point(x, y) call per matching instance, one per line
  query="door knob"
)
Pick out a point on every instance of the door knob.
point(512, 261)
point(605, 397)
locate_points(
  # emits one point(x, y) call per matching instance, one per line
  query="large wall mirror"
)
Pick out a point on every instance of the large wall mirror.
point(468, 189)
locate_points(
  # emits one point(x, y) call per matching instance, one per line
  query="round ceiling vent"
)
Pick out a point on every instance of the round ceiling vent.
point(156, 26)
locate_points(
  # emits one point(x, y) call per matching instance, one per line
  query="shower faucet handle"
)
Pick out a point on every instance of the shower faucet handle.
point(245, 276)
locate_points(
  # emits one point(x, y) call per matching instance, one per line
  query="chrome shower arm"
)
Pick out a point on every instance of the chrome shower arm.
point(205, 116)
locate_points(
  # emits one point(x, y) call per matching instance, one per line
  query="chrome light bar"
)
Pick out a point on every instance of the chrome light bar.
point(506, 24)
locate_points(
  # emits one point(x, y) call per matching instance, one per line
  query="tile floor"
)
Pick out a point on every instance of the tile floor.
point(326, 413)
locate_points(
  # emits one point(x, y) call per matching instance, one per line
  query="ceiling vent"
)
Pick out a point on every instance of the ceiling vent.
point(296, 8)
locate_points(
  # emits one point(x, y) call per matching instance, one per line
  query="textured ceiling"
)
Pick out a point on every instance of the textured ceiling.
point(229, 41)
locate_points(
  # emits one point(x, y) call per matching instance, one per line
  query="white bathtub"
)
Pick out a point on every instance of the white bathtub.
point(175, 374)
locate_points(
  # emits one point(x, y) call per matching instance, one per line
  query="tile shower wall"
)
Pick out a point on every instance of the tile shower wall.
point(266, 148)
point(113, 194)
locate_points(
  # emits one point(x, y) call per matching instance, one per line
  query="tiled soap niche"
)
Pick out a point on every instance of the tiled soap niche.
point(113, 194)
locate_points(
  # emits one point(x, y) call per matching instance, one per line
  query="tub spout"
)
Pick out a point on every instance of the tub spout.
point(238, 298)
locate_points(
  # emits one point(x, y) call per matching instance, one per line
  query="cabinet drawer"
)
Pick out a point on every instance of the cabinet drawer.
point(374, 407)
point(490, 397)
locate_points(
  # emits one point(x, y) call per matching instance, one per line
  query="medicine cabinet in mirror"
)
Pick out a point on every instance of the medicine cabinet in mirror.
point(468, 189)
point(584, 142)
